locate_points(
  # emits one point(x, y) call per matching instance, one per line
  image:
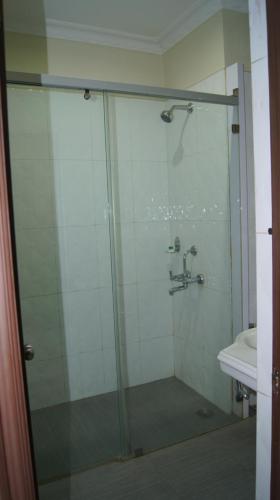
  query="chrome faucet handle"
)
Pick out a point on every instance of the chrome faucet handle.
point(192, 250)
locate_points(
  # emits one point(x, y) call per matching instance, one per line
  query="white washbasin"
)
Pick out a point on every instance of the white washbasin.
point(239, 360)
point(251, 338)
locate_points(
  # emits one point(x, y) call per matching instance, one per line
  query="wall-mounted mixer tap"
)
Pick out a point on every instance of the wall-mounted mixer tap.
point(185, 278)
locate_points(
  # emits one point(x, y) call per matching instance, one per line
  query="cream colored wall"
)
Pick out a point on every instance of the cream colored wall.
point(35, 54)
point(236, 38)
point(220, 41)
point(198, 55)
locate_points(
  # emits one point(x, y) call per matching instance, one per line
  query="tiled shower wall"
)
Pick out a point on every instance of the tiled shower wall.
point(60, 193)
point(60, 198)
point(168, 180)
point(140, 173)
point(199, 195)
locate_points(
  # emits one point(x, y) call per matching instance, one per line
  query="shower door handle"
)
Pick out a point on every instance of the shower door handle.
point(28, 352)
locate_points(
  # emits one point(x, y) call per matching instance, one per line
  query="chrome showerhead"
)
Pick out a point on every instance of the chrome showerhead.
point(167, 115)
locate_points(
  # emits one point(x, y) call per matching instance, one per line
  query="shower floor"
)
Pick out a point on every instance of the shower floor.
point(78, 435)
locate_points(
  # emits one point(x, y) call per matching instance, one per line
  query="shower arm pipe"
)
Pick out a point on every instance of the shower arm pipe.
point(183, 107)
point(45, 80)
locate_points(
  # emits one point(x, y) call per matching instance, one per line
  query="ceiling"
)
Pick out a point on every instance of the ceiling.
point(148, 25)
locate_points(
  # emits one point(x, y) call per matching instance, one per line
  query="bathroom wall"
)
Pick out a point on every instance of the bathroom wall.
point(219, 42)
point(199, 195)
point(60, 196)
point(60, 193)
point(140, 178)
point(35, 54)
point(261, 128)
point(79, 294)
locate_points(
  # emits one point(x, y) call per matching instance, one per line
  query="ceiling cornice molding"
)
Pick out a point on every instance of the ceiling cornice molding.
point(200, 11)
point(100, 36)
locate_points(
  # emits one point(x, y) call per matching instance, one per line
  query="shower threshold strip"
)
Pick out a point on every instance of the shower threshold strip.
point(45, 80)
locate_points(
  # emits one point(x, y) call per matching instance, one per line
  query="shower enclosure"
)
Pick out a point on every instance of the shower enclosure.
point(123, 201)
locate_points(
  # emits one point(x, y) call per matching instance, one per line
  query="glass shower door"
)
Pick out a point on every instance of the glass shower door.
point(171, 182)
point(60, 198)
point(124, 235)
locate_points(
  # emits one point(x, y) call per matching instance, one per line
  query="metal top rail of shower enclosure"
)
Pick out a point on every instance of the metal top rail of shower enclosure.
point(44, 80)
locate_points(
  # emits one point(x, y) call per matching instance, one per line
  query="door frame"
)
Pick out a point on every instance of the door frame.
point(273, 21)
point(16, 465)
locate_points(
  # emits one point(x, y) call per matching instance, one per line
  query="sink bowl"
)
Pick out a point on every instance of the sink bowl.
point(239, 360)
point(251, 338)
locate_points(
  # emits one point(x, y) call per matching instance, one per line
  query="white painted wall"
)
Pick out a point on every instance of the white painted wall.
point(261, 127)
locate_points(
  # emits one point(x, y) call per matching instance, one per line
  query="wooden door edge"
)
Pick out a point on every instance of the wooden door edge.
point(15, 450)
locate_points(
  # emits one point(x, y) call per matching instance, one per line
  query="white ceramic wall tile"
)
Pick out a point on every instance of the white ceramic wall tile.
point(97, 127)
point(204, 319)
point(74, 192)
point(151, 242)
point(181, 134)
point(46, 383)
point(263, 447)
point(100, 192)
point(28, 110)
point(264, 311)
point(37, 261)
point(218, 385)
point(150, 190)
point(157, 359)
point(81, 321)
point(107, 317)
point(73, 377)
point(145, 185)
point(190, 365)
point(155, 313)
point(133, 360)
point(42, 327)
point(125, 253)
point(70, 126)
point(199, 214)
point(148, 131)
point(110, 370)
point(70, 191)
point(103, 255)
point(209, 137)
point(213, 259)
point(92, 373)
point(33, 192)
point(258, 31)
point(78, 258)
point(128, 313)
point(123, 189)
point(120, 121)
point(207, 195)
point(29, 146)
point(261, 125)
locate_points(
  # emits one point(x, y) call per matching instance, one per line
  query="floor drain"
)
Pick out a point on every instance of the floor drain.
point(204, 412)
